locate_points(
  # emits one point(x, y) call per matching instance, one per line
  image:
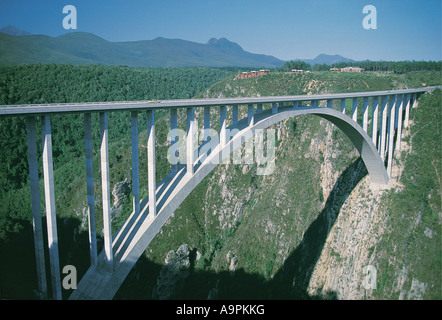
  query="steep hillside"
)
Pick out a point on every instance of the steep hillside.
point(309, 229)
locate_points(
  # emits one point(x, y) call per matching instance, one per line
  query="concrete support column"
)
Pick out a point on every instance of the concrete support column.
point(251, 115)
point(206, 124)
point(407, 110)
point(399, 122)
point(330, 104)
point(365, 114)
point(107, 228)
point(315, 103)
point(174, 138)
point(392, 107)
point(235, 115)
point(354, 112)
point(343, 105)
point(36, 207)
point(90, 188)
point(222, 126)
point(415, 103)
point(51, 219)
point(259, 108)
point(383, 130)
point(295, 104)
point(374, 119)
point(151, 166)
point(135, 163)
point(223, 138)
point(190, 141)
point(275, 108)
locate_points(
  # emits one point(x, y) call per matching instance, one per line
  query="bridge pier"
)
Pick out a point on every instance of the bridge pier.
point(190, 141)
point(374, 117)
point(354, 112)
point(151, 165)
point(392, 109)
point(407, 111)
point(105, 189)
point(135, 163)
point(235, 115)
point(90, 189)
point(251, 115)
point(343, 105)
point(399, 122)
point(51, 218)
point(36, 207)
point(173, 139)
point(383, 130)
point(365, 114)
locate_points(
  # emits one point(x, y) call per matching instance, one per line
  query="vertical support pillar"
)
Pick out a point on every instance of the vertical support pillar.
point(151, 166)
point(190, 141)
point(259, 108)
point(374, 119)
point(407, 111)
point(135, 163)
point(235, 115)
point(222, 131)
point(392, 107)
point(343, 105)
point(275, 107)
point(222, 126)
point(173, 139)
point(315, 103)
point(383, 131)
point(251, 115)
point(51, 219)
point(365, 114)
point(295, 104)
point(399, 122)
point(330, 104)
point(90, 188)
point(354, 112)
point(415, 103)
point(36, 207)
point(206, 124)
point(107, 228)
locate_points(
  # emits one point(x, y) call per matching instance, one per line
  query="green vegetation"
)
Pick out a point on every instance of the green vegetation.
point(415, 209)
point(399, 67)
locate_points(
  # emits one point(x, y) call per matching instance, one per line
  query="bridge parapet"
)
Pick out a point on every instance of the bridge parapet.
point(373, 122)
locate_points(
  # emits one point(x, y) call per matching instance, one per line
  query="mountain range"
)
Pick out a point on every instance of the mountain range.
point(21, 47)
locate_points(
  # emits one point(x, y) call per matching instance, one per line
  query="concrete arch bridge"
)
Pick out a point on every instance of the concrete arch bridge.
point(384, 114)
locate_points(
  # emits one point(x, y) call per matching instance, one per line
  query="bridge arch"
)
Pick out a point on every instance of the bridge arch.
point(139, 230)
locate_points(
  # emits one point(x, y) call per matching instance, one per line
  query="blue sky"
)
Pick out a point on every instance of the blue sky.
point(286, 29)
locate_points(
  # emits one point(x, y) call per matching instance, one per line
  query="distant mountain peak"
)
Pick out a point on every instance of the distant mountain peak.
point(14, 31)
point(224, 44)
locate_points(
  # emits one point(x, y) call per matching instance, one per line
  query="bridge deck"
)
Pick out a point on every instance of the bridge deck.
point(53, 108)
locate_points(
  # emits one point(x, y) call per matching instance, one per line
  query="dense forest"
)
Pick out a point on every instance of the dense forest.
point(398, 67)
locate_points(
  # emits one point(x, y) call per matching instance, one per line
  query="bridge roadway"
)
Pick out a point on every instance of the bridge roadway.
point(56, 108)
point(390, 111)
